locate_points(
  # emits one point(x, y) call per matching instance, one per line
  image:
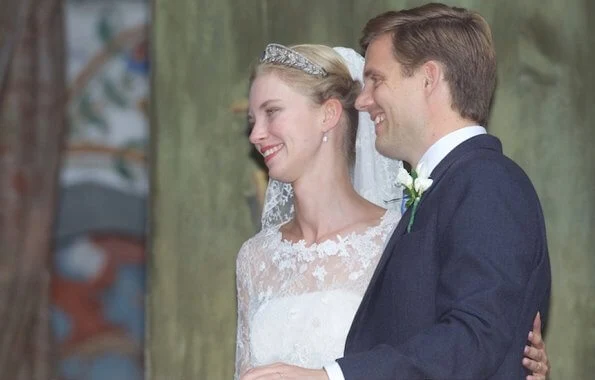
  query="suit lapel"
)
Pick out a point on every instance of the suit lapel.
point(478, 142)
point(483, 141)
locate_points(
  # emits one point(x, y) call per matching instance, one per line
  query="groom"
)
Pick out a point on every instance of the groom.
point(453, 296)
point(467, 269)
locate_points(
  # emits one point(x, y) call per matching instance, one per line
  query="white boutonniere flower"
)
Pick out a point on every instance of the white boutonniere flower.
point(415, 184)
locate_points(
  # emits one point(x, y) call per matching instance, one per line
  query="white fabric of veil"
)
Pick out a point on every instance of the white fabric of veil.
point(374, 176)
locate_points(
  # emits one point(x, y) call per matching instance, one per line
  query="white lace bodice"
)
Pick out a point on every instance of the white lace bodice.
point(296, 302)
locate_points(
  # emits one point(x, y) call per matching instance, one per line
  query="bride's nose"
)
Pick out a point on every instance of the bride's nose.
point(258, 133)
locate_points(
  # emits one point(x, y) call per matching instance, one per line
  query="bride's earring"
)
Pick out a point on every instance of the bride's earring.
point(324, 138)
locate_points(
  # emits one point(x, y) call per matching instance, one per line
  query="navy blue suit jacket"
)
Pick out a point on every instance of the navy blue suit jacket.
point(455, 297)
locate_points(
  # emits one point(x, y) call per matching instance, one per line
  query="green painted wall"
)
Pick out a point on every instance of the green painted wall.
point(201, 172)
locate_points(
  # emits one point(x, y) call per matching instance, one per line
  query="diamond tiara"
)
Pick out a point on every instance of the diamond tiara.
point(275, 53)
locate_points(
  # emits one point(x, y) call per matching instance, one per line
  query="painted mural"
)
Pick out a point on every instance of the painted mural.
point(99, 261)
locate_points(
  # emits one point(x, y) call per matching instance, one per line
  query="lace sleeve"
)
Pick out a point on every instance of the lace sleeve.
point(243, 295)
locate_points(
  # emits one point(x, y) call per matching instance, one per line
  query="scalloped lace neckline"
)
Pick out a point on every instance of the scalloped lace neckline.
point(374, 230)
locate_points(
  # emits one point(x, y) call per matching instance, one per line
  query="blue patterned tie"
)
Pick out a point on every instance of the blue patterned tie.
point(404, 203)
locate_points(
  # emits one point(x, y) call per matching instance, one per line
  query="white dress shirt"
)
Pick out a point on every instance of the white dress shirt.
point(446, 144)
point(430, 159)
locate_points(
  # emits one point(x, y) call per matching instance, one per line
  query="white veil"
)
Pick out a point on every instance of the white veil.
point(374, 176)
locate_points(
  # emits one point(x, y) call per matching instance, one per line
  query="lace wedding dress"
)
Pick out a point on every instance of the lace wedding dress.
point(296, 302)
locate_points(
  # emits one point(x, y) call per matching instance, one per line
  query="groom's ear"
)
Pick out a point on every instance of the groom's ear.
point(433, 75)
point(331, 111)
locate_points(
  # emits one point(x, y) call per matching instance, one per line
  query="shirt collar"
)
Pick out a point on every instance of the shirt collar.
point(446, 144)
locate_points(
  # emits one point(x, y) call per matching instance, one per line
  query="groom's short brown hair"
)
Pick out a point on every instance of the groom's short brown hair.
point(458, 38)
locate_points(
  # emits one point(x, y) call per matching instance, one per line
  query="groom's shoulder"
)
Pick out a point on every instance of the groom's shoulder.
point(489, 161)
point(489, 171)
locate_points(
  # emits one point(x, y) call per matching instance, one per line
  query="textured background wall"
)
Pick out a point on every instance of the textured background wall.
point(202, 184)
point(198, 215)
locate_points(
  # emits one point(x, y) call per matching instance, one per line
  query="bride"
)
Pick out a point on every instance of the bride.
point(331, 204)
